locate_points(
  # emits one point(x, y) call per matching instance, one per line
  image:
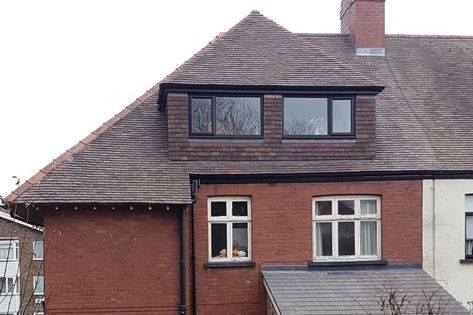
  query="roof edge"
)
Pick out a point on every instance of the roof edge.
point(332, 176)
point(165, 88)
point(14, 195)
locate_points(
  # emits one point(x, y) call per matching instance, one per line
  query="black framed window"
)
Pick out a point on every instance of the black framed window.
point(319, 117)
point(226, 116)
point(469, 226)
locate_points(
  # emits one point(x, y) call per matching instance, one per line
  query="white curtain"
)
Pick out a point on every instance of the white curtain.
point(318, 236)
point(6, 251)
point(368, 207)
point(469, 247)
point(369, 238)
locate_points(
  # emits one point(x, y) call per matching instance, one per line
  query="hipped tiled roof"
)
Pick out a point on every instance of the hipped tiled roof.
point(423, 117)
point(257, 51)
point(335, 291)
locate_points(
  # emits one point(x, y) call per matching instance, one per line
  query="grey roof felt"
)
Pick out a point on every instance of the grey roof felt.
point(423, 117)
point(334, 291)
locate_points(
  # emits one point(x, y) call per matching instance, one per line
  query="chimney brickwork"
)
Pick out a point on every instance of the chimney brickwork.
point(364, 20)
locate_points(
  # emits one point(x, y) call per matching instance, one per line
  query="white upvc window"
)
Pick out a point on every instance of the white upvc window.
point(229, 228)
point(38, 250)
point(38, 285)
point(8, 286)
point(346, 228)
point(9, 249)
point(469, 226)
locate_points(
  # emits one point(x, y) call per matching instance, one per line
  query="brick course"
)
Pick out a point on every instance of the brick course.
point(272, 146)
point(282, 234)
point(108, 262)
point(364, 21)
point(28, 267)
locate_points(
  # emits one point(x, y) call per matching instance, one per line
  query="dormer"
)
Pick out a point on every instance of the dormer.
point(260, 92)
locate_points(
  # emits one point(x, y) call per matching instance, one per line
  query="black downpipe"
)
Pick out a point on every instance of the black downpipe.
point(194, 286)
point(182, 265)
point(194, 187)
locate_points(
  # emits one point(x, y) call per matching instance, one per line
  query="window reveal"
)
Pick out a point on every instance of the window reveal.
point(229, 228)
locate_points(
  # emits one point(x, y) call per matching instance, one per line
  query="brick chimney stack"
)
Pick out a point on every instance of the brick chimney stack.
point(364, 21)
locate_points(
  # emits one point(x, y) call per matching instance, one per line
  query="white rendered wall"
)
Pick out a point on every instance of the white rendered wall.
point(444, 236)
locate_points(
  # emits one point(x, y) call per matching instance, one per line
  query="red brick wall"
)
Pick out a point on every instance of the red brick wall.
point(115, 262)
point(272, 146)
point(270, 307)
point(282, 234)
point(364, 20)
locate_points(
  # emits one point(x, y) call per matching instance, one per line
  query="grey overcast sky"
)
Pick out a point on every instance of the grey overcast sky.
point(68, 66)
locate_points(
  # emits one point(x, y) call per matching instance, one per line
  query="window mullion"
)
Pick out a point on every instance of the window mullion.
point(229, 240)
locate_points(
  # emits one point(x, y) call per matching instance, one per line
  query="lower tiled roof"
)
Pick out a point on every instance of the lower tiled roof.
point(351, 291)
point(423, 123)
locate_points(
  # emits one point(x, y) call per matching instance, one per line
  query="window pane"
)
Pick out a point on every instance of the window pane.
point(469, 227)
point(346, 238)
point(219, 240)
point(238, 115)
point(305, 116)
point(469, 203)
point(201, 115)
point(218, 209)
point(368, 239)
point(346, 207)
point(38, 285)
point(324, 239)
point(240, 208)
point(341, 116)
point(240, 240)
point(368, 207)
point(323, 208)
point(11, 285)
point(38, 250)
point(3, 285)
point(6, 250)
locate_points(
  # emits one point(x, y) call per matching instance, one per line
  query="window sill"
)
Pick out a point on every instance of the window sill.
point(229, 264)
point(347, 263)
point(466, 261)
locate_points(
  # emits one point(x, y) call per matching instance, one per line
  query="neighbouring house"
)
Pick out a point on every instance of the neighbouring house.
point(21, 267)
point(272, 173)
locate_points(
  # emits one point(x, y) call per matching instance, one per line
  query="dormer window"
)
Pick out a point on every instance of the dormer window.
point(226, 116)
point(318, 117)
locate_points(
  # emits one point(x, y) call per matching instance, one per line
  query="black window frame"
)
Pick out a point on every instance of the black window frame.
point(330, 134)
point(467, 214)
point(213, 134)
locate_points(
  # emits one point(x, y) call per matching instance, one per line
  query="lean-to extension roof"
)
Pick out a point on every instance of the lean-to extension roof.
point(423, 121)
point(336, 291)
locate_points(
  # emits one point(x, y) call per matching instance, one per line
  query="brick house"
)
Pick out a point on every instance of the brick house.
point(21, 265)
point(273, 172)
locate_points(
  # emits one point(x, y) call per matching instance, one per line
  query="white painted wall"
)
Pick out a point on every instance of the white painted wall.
point(444, 236)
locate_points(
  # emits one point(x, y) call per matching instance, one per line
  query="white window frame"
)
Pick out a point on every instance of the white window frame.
point(16, 289)
point(34, 250)
point(229, 219)
point(14, 243)
point(34, 285)
point(357, 218)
